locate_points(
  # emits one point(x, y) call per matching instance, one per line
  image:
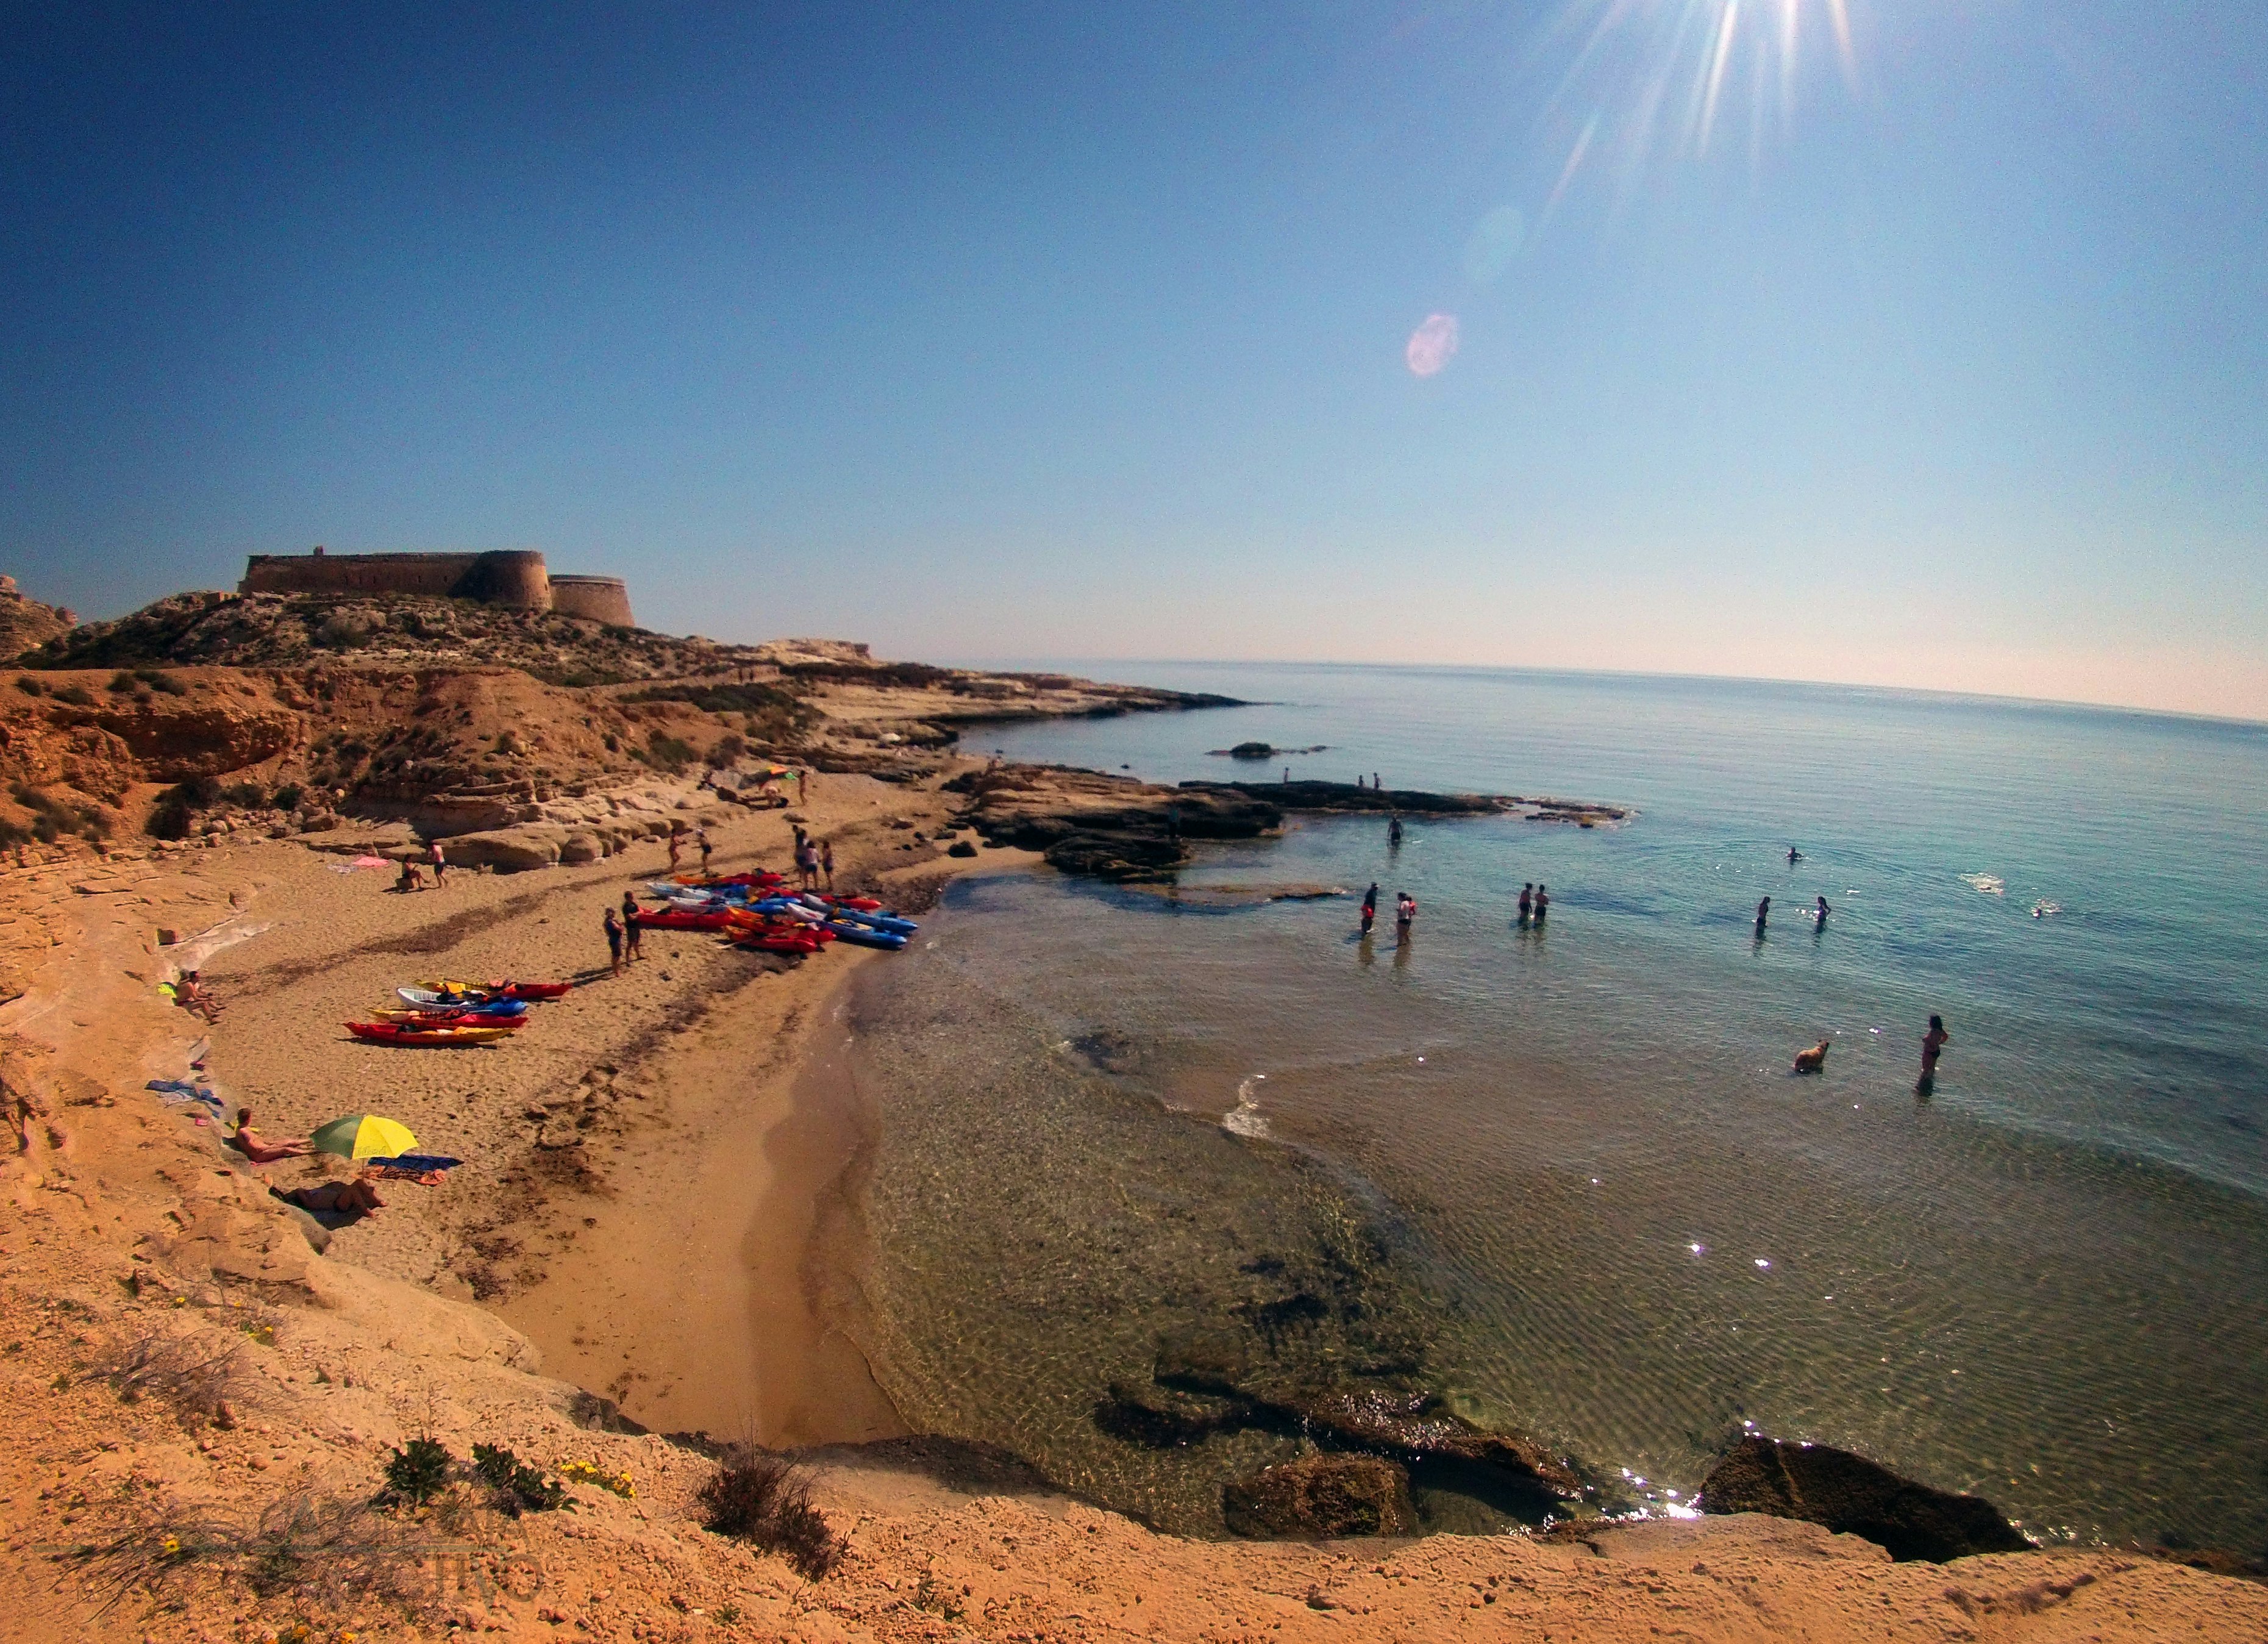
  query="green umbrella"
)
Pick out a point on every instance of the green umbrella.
point(364, 1136)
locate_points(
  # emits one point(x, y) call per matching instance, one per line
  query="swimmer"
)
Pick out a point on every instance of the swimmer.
point(1793, 855)
point(1820, 914)
point(1764, 912)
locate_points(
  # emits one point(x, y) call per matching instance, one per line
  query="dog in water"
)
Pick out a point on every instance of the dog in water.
point(1814, 1060)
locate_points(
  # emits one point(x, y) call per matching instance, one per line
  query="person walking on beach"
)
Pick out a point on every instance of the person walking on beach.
point(1527, 900)
point(1542, 903)
point(440, 864)
point(1764, 912)
point(1369, 907)
point(1932, 1046)
point(633, 933)
point(702, 839)
point(676, 843)
point(827, 864)
point(613, 942)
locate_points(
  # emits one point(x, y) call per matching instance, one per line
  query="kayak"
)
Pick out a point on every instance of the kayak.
point(491, 991)
point(447, 1018)
point(754, 876)
point(401, 1032)
point(866, 936)
point(782, 907)
point(490, 1010)
point(782, 943)
point(678, 920)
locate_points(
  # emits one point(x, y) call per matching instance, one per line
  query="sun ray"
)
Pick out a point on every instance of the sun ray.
point(1727, 27)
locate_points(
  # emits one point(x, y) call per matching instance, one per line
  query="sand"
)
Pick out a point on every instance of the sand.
point(677, 1241)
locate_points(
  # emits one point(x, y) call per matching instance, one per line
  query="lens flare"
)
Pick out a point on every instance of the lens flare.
point(1432, 344)
point(1647, 76)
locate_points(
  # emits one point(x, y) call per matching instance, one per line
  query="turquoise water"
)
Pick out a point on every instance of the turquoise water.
point(1630, 1225)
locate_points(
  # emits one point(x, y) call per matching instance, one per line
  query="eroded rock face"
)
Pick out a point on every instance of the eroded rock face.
point(1850, 1495)
point(1321, 1497)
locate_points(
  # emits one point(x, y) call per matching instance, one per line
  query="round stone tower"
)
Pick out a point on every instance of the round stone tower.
point(595, 598)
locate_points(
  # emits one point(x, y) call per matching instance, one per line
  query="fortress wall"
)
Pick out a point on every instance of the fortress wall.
point(595, 599)
point(512, 578)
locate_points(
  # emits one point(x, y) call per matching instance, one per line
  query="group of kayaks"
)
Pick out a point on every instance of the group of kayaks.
point(455, 1013)
point(756, 910)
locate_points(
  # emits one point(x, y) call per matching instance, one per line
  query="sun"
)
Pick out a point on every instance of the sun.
point(1651, 77)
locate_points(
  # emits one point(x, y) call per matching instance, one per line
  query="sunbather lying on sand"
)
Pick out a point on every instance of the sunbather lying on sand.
point(358, 1198)
point(261, 1152)
point(191, 993)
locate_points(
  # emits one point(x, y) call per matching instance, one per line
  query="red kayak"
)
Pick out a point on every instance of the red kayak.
point(393, 1033)
point(784, 942)
point(757, 876)
point(864, 904)
point(492, 990)
point(676, 921)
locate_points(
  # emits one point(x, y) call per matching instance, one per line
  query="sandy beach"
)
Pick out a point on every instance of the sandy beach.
point(651, 1211)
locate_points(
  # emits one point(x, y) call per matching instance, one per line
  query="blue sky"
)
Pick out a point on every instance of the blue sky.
point(993, 331)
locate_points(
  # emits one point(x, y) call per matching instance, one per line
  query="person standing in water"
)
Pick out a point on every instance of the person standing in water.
point(1405, 915)
point(1543, 904)
point(1821, 916)
point(1764, 912)
point(1527, 900)
point(1793, 855)
point(1394, 833)
point(1369, 907)
point(1932, 1046)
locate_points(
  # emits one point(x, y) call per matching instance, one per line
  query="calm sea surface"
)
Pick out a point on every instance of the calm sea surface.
point(1582, 1166)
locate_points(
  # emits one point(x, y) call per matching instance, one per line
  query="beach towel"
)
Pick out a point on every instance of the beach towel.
point(419, 1161)
point(181, 1090)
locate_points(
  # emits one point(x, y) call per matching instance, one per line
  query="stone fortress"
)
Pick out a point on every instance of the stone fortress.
point(512, 577)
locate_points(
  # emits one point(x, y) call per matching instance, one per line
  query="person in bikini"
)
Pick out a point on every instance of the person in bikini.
point(248, 1142)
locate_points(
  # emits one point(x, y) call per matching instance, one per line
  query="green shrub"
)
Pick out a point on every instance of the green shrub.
point(123, 682)
point(518, 1488)
point(29, 686)
point(77, 695)
point(169, 819)
point(248, 795)
point(157, 680)
point(669, 753)
point(418, 1471)
point(287, 797)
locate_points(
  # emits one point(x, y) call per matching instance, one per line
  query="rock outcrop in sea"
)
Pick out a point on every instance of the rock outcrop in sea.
point(1852, 1496)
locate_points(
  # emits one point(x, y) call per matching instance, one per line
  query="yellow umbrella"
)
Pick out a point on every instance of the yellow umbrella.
point(364, 1136)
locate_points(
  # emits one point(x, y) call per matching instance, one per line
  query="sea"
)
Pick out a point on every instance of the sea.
point(1565, 1175)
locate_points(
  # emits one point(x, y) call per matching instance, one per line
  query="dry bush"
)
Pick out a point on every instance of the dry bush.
point(309, 1553)
point(195, 1374)
point(766, 1500)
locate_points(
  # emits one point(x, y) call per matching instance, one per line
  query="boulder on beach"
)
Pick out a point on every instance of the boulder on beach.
point(581, 847)
point(1321, 1497)
point(506, 850)
point(1850, 1495)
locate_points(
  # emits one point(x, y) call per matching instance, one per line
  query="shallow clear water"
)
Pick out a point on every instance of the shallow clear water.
point(2043, 1282)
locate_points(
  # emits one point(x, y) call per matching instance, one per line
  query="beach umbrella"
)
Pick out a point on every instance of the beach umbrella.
point(364, 1136)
